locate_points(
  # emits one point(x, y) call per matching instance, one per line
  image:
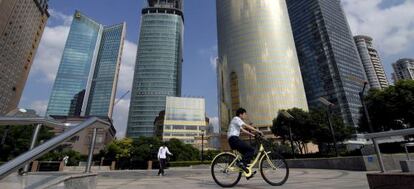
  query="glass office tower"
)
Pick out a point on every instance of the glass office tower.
point(258, 68)
point(88, 73)
point(158, 64)
point(330, 64)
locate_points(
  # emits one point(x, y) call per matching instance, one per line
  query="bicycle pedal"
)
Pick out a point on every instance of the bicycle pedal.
point(251, 176)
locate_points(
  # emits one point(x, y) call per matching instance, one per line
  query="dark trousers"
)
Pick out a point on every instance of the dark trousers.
point(162, 166)
point(246, 150)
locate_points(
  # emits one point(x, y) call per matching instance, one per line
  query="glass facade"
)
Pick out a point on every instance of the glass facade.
point(184, 119)
point(158, 67)
point(88, 70)
point(258, 67)
point(330, 65)
point(104, 81)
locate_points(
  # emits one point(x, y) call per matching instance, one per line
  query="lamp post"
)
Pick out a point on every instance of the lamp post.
point(202, 143)
point(328, 113)
point(361, 96)
point(371, 129)
point(290, 117)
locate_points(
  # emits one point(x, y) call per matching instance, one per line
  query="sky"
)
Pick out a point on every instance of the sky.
point(389, 22)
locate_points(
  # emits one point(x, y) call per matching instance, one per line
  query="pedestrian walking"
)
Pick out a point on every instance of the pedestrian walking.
point(162, 158)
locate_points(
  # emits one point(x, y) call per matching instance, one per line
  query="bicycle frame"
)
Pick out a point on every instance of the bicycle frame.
point(261, 154)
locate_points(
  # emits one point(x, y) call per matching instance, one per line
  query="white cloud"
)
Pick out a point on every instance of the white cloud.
point(126, 74)
point(210, 52)
point(120, 117)
point(59, 17)
point(49, 52)
point(392, 28)
point(39, 106)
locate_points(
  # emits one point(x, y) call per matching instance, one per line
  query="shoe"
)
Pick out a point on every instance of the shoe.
point(251, 176)
point(243, 167)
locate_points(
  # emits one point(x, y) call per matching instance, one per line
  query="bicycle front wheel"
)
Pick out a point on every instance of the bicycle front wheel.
point(274, 169)
point(225, 171)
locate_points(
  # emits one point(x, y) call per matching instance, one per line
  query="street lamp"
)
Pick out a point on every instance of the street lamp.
point(371, 129)
point(290, 117)
point(202, 129)
point(361, 96)
point(328, 112)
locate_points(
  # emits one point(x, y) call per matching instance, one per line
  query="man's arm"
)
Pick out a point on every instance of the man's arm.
point(251, 128)
point(246, 131)
point(168, 152)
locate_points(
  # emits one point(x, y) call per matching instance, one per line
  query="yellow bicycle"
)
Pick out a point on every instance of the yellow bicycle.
point(272, 166)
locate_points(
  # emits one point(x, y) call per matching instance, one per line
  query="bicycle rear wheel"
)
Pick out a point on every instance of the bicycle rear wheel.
point(274, 169)
point(225, 174)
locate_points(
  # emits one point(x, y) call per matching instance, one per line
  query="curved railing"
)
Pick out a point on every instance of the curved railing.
point(40, 150)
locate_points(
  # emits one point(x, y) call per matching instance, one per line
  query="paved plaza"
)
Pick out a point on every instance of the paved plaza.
point(183, 178)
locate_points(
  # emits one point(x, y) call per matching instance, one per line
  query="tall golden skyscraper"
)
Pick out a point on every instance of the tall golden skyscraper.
point(21, 26)
point(258, 68)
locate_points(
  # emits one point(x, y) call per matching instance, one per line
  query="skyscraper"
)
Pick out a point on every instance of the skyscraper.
point(21, 26)
point(258, 68)
point(158, 64)
point(329, 61)
point(371, 62)
point(86, 81)
point(403, 69)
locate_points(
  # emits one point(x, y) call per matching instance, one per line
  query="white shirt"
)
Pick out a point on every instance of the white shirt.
point(162, 152)
point(234, 127)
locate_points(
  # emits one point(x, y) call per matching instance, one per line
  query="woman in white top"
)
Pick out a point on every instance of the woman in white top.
point(162, 156)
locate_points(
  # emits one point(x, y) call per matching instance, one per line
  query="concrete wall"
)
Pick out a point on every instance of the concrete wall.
point(357, 163)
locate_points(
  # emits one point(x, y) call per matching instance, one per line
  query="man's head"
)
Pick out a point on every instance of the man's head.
point(242, 113)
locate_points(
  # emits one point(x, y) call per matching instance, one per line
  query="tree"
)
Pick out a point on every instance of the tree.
point(182, 152)
point(322, 133)
point(301, 127)
point(57, 155)
point(391, 108)
point(312, 126)
point(119, 151)
point(145, 149)
point(17, 140)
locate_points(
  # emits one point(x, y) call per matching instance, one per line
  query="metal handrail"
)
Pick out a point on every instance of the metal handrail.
point(42, 149)
point(29, 121)
point(378, 135)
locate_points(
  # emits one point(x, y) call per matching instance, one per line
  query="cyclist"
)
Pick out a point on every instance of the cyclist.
point(237, 124)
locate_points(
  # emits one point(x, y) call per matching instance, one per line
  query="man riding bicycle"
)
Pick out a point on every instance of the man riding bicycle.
point(237, 124)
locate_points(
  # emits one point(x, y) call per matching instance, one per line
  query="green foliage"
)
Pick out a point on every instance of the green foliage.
point(74, 157)
point(117, 149)
point(310, 126)
point(210, 154)
point(391, 108)
point(145, 149)
point(182, 152)
point(131, 154)
point(322, 133)
point(18, 139)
